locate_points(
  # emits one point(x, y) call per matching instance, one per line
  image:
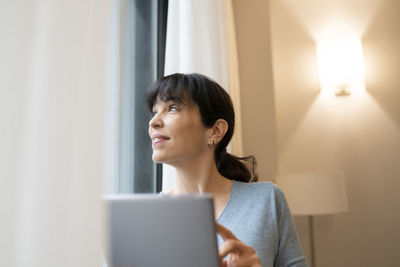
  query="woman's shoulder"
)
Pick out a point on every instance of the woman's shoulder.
point(259, 190)
point(257, 186)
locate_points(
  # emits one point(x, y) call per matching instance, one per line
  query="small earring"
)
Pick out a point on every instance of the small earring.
point(213, 142)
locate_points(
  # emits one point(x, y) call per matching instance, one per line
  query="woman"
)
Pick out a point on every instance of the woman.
point(192, 124)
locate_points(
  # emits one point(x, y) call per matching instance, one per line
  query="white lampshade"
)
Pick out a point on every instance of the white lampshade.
point(315, 193)
point(341, 64)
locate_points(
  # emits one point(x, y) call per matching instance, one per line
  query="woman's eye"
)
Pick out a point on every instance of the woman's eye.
point(173, 108)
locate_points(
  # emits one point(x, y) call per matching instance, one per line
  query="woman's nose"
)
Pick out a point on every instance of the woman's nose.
point(156, 122)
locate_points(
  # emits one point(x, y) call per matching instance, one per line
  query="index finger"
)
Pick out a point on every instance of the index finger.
point(225, 232)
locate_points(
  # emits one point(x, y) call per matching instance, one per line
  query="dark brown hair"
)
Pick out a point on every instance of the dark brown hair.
point(214, 103)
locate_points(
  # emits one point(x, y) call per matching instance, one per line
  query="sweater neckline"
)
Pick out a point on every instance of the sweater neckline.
point(229, 201)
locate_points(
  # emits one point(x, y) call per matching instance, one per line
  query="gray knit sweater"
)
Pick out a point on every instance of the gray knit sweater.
point(258, 215)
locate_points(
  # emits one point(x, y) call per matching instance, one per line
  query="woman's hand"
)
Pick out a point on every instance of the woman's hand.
point(240, 255)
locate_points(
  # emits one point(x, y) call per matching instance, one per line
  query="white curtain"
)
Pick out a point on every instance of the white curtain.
point(196, 38)
point(52, 78)
point(201, 38)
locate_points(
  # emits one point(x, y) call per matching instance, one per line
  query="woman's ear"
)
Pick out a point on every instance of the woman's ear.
point(218, 131)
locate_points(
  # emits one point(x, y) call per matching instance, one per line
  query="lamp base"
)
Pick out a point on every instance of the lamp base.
point(311, 222)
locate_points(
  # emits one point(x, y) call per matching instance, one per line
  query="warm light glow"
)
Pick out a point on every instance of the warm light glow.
point(341, 65)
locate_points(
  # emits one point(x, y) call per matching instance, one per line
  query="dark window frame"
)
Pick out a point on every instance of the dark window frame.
point(143, 38)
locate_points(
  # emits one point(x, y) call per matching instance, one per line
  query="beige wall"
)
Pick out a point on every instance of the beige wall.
point(358, 134)
point(257, 94)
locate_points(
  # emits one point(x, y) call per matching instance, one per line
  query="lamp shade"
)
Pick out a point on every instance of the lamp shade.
point(315, 193)
point(341, 64)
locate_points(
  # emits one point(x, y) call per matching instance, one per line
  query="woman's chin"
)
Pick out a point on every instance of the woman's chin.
point(162, 159)
point(158, 158)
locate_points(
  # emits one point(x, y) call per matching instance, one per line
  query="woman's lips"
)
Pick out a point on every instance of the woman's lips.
point(156, 139)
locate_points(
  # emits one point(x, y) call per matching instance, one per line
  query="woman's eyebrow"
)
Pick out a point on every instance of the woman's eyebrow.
point(164, 103)
point(173, 102)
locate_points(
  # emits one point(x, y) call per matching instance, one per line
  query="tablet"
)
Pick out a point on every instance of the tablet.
point(147, 230)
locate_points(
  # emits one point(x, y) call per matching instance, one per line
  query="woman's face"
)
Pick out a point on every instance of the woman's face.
point(177, 132)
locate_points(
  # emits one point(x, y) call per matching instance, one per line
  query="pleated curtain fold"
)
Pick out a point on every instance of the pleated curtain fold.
point(53, 77)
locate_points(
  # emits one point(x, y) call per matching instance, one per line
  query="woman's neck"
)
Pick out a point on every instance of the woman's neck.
point(200, 176)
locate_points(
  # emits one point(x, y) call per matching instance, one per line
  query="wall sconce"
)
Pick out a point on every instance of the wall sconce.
point(341, 65)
